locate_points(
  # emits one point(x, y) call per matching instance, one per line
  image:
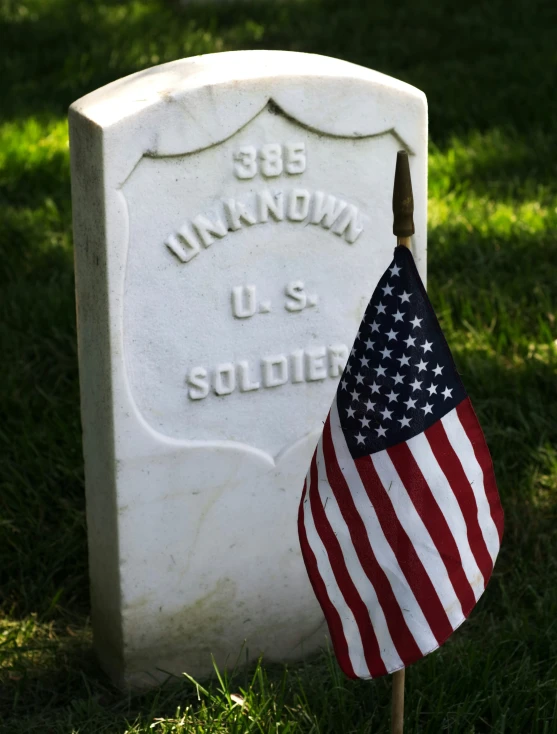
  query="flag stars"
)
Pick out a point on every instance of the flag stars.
point(386, 353)
point(392, 396)
point(381, 308)
point(359, 379)
point(392, 334)
point(381, 432)
point(355, 395)
point(437, 371)
point(360, 439)
point(398, 316)
point(364, 361)
point(426, 346)
point(395, 270)
point(416, 322)
point(410, 341)
point(398, 378)
point(404, 422)
point(410, 403)
point(386, 414)
point(369, 344)
point(405, 297)
point(365, 422)
point(447, 392)
point(374, 326)
point(381, 371)
point(427, 408)
point(432, 389)
point(370, 406)
point(387, 290)
point(350, 413)
point(375, 388)
point(344, 385)
point(421, 365)
point(404, 361)
point(416, 385)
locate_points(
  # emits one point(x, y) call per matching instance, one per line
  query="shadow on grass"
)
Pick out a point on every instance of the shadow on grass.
point(465, 58)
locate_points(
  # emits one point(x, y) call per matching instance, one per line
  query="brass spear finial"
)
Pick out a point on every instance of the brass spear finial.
point(403, 201)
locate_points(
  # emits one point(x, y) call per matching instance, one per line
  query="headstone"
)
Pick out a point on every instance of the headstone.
point(232, 215)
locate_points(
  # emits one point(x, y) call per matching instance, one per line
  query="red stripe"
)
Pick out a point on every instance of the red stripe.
point(473, 430)
point(434, 520)
point(332, 616)
point(375, 664)
point(416, 576)
point(403, 639)
point(452, 469)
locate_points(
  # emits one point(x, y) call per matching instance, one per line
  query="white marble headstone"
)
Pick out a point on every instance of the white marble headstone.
point(232, 215)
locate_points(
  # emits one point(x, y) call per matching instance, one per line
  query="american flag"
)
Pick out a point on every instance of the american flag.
point(400, 521)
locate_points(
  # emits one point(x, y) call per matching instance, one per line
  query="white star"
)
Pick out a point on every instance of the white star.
point(398, 378)
point(398, 316)
point(344, 385)
point(365, 422)
point(410, 341)
point(392, 334)
point(369, 344)
point(395, 270)
point(364, 361)
point(447, 392)
point(422, 365)
point(348, 367)
point(350, 413)
point(359, 379)
point(380, 371)
point(405, 297)
point(404, 422)
point(374, 326)
point(410, 403)
point(381, 432)
point(381, 308)
point(370, 405)
point(437, 371)
point(386, 353)
point(358, 335)
point(426, 346)
point(416, 322)
point(416, 385)
point(404, 360)
point(432, 389)
point(353, 350)
point(387, 290)
point(359, 438)
point(386, 414)
point(354, 394)
point(392, 396)
point(427, 408)
point(375, 387)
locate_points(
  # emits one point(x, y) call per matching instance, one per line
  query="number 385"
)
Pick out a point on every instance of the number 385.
point(270, 160)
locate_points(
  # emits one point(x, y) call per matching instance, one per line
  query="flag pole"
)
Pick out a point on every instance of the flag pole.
point(403, 228)
point(403, 201)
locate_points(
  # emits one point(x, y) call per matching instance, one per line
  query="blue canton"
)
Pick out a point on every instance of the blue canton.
point(400, 377)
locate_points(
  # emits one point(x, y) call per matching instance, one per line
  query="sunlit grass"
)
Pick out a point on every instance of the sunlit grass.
point(492, 265)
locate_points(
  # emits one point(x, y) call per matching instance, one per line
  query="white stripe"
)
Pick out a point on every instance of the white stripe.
point(363, 585)
point(448, 504)
point(349, 625)
point(419, 536)
point(411, 610)
point(463, 448)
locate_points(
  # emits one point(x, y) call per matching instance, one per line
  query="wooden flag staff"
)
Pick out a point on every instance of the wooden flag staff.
point(403, 228)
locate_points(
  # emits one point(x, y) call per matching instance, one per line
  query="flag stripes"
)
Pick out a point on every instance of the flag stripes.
point(396, 544)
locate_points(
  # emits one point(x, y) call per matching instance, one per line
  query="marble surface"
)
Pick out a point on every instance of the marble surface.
point(232, 215)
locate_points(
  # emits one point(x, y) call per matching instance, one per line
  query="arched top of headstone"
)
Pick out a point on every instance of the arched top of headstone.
point(214, 95)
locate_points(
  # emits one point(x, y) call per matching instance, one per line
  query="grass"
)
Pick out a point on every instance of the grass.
point(488, 71)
